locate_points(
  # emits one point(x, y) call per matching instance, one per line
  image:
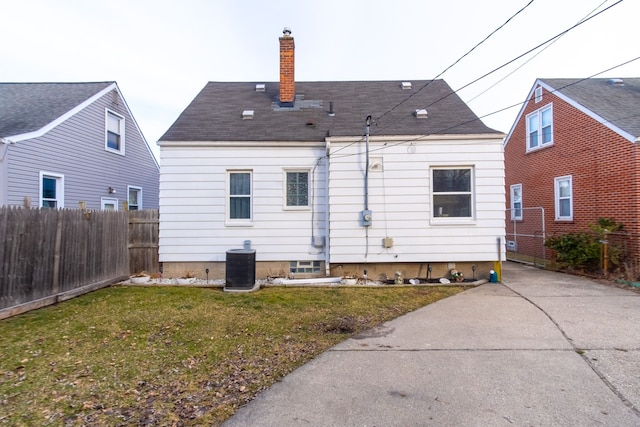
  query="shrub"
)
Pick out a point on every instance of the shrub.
point(582, 249)
point(577, 250)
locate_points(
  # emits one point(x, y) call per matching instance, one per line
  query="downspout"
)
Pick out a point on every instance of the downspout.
point(366, 166)
point(327, 245)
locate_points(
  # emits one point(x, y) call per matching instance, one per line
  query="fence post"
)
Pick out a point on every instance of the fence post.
point(56, 256)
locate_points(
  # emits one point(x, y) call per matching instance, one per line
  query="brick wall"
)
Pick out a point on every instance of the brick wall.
point(602, 164)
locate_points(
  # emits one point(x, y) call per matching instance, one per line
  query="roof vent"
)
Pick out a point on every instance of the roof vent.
point(421, 113)
point(247, 115)
point(405, 85)
point(616, 82)
point(260, 87)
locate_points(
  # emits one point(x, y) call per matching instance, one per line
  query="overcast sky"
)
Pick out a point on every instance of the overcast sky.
point(161, 53)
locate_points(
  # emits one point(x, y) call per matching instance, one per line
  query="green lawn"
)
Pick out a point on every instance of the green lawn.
point(175, 356)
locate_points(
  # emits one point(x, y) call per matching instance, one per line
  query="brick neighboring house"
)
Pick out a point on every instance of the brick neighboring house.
point(573, 150)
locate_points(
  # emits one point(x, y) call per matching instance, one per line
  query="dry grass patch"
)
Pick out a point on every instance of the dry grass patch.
point(175, 356)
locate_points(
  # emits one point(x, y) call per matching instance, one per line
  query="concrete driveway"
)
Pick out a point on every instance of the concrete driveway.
point(540, 349)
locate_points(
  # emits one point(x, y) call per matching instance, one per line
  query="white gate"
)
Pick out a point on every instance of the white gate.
point(525, 236)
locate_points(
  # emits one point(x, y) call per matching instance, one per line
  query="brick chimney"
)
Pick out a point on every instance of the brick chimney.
point(287, 67)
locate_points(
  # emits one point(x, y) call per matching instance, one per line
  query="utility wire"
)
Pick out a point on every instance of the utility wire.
point(455, 92)
point(456, 62)
point(445, 70)
point(532, 58)
point(519, 104)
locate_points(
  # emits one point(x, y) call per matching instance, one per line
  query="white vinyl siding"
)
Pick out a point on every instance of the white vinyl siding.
point(540, 128)
point(564, 198)
point(516, 202)
point(193, 208)
point(400, 199)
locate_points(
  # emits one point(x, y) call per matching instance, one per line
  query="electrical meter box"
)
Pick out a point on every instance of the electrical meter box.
point(366, 218)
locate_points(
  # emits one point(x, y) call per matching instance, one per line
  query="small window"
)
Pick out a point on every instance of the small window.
point(239, 202)
point(540, 128)
point(516, 201)
point(297, 189)
point(304, 267)
point(564, 198)
point(115, 133)
point(452, 193)
point(109, 204)
point(538, 94)
point(51, 190)
point(135, 198)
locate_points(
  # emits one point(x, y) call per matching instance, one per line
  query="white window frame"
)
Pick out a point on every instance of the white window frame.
point(59, 178)
point(536, 116)
point(538, 94)
point(121, 126)
point(238, 221)
point(439, 218)
point(139, 190)
point(104, 201)
point(285, 206)
point(514, 200)
point(558, 198)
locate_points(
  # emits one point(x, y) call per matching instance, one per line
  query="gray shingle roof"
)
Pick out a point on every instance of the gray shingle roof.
point(618, 104)
point(27, 107)
point(216, 112)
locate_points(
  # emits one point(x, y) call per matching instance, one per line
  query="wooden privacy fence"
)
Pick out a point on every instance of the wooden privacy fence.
point(143, 241)
point(49, 255)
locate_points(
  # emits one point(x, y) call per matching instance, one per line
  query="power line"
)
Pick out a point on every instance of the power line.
point(455, 62)
point(455, 92)
point(532, 58)
point(519, 104)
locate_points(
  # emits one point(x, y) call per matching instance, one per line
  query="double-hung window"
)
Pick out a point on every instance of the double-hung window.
point(239, 196)
point(51, 190)
point(540, 128)
point(452, 190)
point(296, 189)
point(135, 198)
point(114, 133)
point(564, 197)
point(516, 201)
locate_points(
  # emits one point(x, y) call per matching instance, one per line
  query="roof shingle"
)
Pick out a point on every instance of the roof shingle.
point(215, 114)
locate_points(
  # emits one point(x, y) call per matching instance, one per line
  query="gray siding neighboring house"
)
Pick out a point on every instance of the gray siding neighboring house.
point(62, 143)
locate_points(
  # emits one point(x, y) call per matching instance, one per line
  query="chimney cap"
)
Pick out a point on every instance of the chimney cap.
point(286, 31)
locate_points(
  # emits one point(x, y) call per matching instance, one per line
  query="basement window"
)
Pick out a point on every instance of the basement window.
point(304, 267)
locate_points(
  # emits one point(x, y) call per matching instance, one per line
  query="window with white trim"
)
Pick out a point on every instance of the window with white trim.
point(114, 132)
point(540, 128)
point(296, 188)
point(51, 190)
point(516, 201)
point(452, 190)
point(239, 198)
point(109, 204)
point(135, 198)
point(564, 197)
point(538, 94)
